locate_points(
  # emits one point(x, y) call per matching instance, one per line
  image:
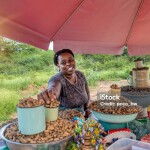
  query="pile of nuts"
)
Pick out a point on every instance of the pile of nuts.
point(69, 114)
point(114, 86)
point(55, 131)
point(53, 104)
point(122, 106)
point(30, 102)
point(135, 91)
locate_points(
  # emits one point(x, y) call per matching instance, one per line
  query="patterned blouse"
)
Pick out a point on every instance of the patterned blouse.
point(70, 95)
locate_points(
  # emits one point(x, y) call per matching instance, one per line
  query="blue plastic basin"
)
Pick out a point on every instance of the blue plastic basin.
point(110, 126)
point(114, 118)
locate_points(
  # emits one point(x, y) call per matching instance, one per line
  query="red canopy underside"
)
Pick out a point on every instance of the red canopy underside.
point(85, 26)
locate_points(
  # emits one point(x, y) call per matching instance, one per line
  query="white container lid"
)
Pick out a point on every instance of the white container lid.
point(129, 144)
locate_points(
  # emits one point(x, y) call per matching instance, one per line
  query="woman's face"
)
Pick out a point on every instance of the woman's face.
point(66, 64)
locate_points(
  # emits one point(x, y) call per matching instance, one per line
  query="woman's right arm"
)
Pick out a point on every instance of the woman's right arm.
point(52, 92)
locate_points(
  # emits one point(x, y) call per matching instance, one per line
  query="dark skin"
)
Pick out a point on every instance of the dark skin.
point(67, 66)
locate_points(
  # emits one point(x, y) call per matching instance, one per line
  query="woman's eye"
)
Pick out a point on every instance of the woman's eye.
point(71, 60)
point(63, 62)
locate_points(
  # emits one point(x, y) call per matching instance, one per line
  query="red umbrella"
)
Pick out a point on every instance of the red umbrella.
point(85, 26)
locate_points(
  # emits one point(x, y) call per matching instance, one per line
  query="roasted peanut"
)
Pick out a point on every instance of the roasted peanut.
point(30, 102)
point(69, 114)
point(54, 132)
point(122, 106)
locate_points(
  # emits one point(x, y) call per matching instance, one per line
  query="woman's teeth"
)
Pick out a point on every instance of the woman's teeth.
point(70, 69)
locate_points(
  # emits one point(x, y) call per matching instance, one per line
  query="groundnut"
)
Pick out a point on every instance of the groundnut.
point(122, 106)
point(53, 104)
point(55, 131)
point(135, 91)
point(114, 86)
point(30, 102)
point(69, 114)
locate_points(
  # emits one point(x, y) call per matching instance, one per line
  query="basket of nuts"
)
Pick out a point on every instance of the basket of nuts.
point(52, 110)
point(55, 137)
point(31, 116)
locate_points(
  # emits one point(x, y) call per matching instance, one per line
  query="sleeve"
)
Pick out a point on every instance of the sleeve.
point(54, 85)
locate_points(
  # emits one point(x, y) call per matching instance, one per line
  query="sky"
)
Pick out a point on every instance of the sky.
point(51, 46)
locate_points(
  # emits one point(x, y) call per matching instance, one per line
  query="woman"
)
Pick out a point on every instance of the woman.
point(69, 86)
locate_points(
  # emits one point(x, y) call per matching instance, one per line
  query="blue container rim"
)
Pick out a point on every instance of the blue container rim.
point(50, 107)
point(115, 114)
point(29, 107)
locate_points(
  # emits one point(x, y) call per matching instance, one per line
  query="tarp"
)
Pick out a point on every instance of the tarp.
point(85, 26)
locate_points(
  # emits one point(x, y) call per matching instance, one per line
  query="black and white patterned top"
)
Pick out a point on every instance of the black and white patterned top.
point(70, 95)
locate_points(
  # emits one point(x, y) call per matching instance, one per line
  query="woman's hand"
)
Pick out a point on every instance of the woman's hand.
point(88, 113)
point(47, 95)
point(87, 109)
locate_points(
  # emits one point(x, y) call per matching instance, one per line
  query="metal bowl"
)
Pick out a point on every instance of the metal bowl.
point(142, 100)
point(57, 145)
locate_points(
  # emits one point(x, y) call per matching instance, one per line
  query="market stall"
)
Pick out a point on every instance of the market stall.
point(129, 113)
point(40, 126)
point(69, 26)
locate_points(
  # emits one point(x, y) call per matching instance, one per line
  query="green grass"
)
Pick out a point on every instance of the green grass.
point(113, 75)
point(8, 101)
point(22, 83)
point(16, 84)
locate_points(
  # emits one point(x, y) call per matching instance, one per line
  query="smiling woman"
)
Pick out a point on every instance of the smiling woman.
point(69, 86)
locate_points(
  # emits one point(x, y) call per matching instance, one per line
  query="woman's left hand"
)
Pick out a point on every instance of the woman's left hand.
point(88, 113)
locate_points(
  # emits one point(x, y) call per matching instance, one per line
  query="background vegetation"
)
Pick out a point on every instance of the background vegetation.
point(25, 69)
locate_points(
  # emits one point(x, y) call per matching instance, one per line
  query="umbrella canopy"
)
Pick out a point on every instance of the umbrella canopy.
point(85, 26)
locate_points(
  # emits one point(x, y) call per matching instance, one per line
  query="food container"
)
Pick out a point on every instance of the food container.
point(141, 78)
point(142, 100)
point(138, 63)
point(109, 126)
point(31, 120)
point(121, 134)
point(119, 130)
point(56, 145)
point(114, 118)
point(115, 91)
point(129, 144)
point(51, 114)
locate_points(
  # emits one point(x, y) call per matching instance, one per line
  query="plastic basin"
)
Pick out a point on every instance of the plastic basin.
point(114, 118)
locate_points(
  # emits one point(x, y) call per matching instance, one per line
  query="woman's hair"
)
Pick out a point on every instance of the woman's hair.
point(61, 52)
